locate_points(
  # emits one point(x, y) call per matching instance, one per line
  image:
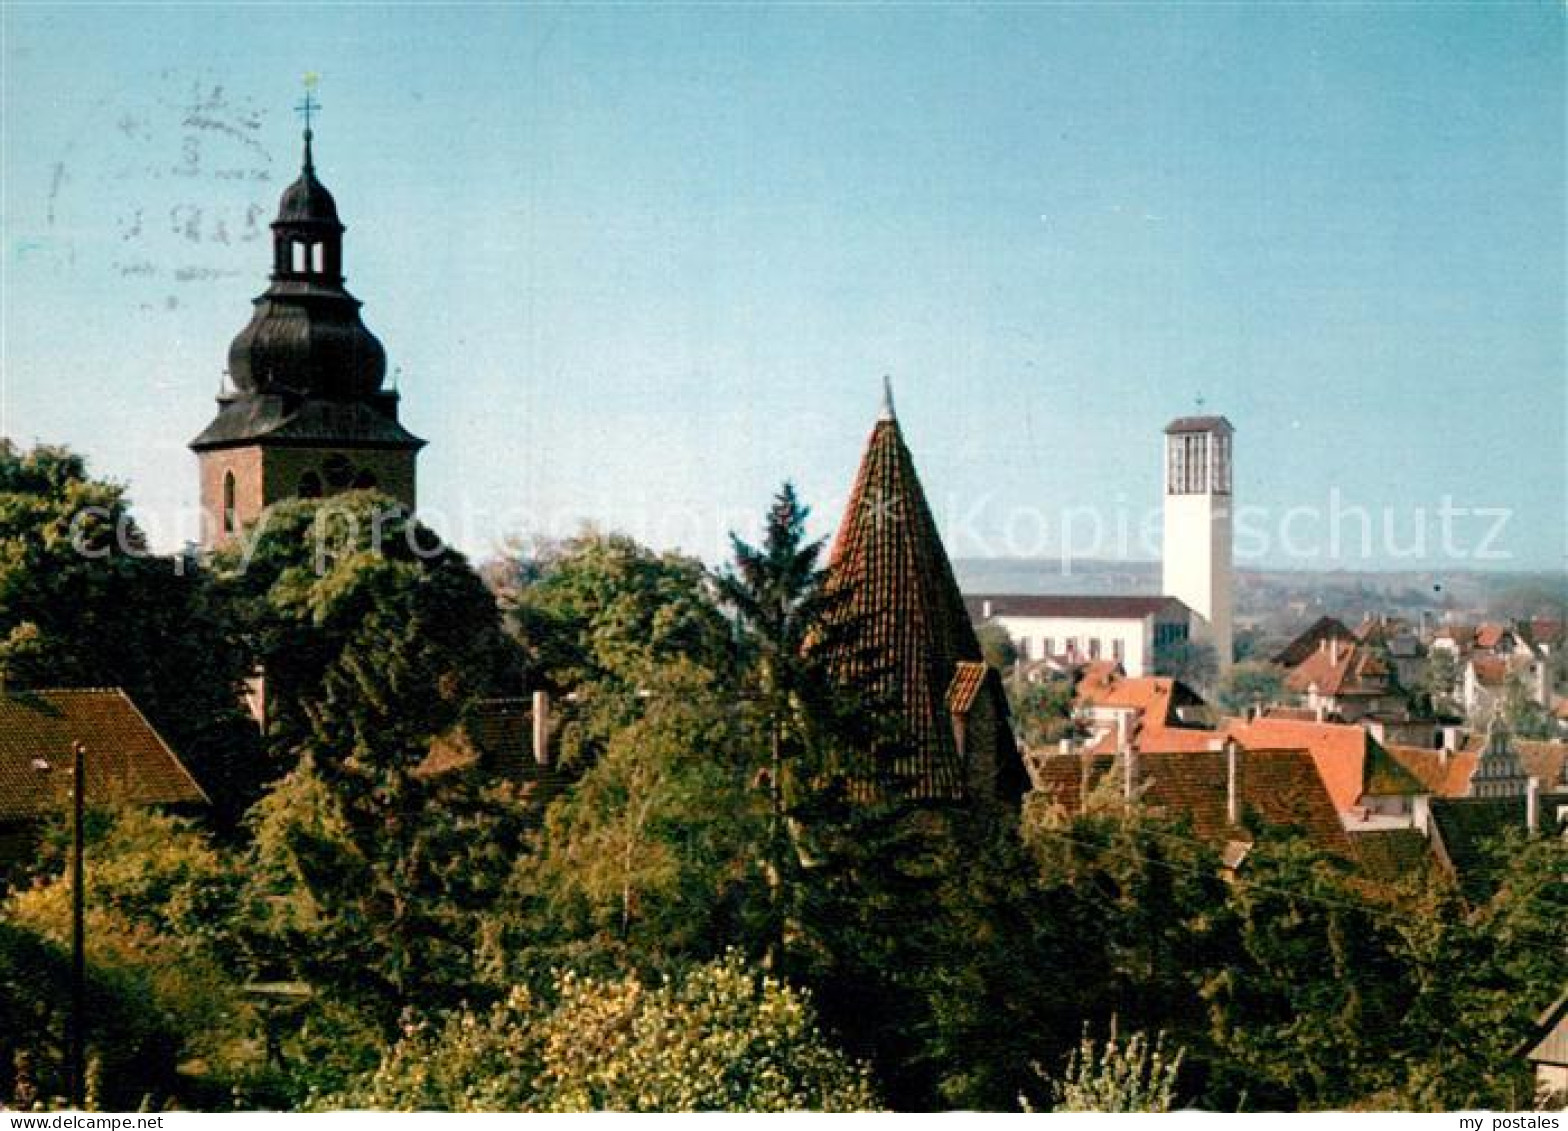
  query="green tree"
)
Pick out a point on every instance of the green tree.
point(1249, 684)
point(1301, 1009)
point(363, 622)
point(998, 647)
point(1042, 712)
point(1439, 679)
point(649, 859)
point(810, 731)
point(1194, 663)
point(158, 950)
point(601, 606)
point(369, 870)
point(1522, 713)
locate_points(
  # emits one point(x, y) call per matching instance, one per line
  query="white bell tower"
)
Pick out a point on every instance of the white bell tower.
point(1198, 515)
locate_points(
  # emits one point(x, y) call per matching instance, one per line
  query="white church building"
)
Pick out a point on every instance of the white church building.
point(1195, 577)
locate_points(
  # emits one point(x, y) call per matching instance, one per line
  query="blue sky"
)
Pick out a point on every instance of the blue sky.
point(639, 264)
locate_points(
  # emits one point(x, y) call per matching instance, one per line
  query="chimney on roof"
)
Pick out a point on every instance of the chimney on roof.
point(542, 727)
point(985, 609)
point(1532, 807)
point(1232, 782)
point(1320, 711)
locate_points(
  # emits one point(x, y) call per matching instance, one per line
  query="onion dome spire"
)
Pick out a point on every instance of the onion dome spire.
point(306, 336)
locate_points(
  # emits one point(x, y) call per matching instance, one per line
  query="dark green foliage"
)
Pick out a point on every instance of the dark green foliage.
point(997, 646)
point(1193, 663)
point(1250, 684)
point(364, 623)
point(600, 606)
point(1042, 711)
point(83, 603)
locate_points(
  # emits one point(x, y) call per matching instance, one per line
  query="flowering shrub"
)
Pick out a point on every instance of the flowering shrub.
point(720, 1037)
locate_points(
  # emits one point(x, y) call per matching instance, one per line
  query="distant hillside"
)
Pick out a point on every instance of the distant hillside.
point(1265, 593)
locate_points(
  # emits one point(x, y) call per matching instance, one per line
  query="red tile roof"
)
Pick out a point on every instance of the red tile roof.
point(127, 761)
point(1279, 786)
point(1349, 760)
point(1543, 630)
point(1340, 670)
point(1490, 635)
point(1547, 760)
point(1490, 671)
point(1304, 645)
point(497, 737)
point(898, 627)
point(1443, 775)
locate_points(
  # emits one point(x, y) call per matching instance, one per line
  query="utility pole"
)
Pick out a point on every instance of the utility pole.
point(77, 1042)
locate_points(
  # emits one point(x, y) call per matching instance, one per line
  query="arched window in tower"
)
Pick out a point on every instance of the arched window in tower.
point(309, 486)
point(365, 481)
point(228, 502)
point(318, 257)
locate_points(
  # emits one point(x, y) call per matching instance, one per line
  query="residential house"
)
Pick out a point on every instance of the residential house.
point(1319, 632)
point(1224, 794)
point(1346, 682)
point(1121, 710)
point(126, 761)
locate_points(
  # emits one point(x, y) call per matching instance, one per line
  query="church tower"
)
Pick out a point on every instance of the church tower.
point(1198, 515)
point(303, 413)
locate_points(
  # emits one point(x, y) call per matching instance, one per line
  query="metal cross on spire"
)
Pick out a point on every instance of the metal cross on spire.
point(1199, 401)
point(307, 110)
point(308, 105)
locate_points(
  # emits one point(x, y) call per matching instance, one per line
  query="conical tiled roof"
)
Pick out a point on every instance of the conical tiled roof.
point(901, 635)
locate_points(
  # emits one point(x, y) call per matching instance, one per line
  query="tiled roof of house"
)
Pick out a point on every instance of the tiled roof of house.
point(127, 761)
point(1340, 670)
point(1490, 635)
point(1154, 700)
point(1280, 787)
point(497, 736)
point(1074, 607)
point(1544, 630)
point(1350, 761)
point(1490, 671)
point(898, 625)
point(1304, 645)
point(1442, 775)
point(1546, 760)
